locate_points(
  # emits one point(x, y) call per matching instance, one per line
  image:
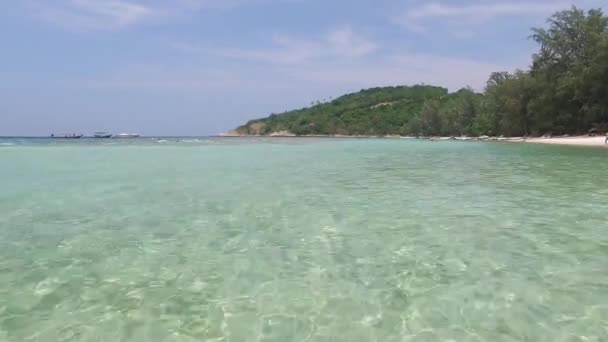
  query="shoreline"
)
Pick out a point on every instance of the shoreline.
point(342, 136)
point(581, 140)
point(578, 140)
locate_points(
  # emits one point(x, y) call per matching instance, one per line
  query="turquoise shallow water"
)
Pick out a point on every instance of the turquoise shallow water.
point(302, 240)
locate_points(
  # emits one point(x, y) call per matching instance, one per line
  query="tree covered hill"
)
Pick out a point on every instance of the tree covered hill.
point(564, 92)
point(373, 111)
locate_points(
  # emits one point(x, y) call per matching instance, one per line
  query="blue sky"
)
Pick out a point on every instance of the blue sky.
point(198, 67)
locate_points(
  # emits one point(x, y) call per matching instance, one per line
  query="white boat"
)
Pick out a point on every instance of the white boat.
point(126, 135)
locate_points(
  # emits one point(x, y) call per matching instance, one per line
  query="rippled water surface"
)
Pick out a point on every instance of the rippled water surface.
point(302, 240)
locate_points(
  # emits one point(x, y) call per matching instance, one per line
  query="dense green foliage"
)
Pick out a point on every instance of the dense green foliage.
point(564, 92)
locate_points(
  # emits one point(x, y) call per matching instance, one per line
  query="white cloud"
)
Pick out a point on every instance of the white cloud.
point(119, 14)
point(485, 10)
point(339, 43)
point(307, 68)
point(402, 68)
point(422, 18)
point(95, 14)
point(342, 59)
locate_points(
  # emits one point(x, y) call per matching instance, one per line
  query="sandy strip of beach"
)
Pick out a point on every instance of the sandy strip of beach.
point(578, 140)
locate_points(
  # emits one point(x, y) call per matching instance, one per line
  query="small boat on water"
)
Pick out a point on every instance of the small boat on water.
point(103, 135)
point(66, 136)
point(126, 135)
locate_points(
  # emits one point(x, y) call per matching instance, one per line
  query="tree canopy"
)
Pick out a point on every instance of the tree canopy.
point(565, 91)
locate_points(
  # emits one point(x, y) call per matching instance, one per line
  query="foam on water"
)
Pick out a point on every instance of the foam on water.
point(303, 240)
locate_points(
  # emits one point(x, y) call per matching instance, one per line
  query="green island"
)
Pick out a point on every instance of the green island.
point(564, 91)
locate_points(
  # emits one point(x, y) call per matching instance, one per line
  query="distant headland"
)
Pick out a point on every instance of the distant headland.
point(563, 93)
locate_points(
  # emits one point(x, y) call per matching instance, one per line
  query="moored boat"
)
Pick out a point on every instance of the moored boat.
point(102, 135)
point(126, 135)
point(66, 136)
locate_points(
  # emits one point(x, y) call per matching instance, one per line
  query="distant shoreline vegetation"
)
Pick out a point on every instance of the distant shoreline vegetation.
point(565, 91)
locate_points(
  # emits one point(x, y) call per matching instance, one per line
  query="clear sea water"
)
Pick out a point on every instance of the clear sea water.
point(302, 240)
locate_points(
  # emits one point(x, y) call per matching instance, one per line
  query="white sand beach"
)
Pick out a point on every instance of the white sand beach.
point(577, 140)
